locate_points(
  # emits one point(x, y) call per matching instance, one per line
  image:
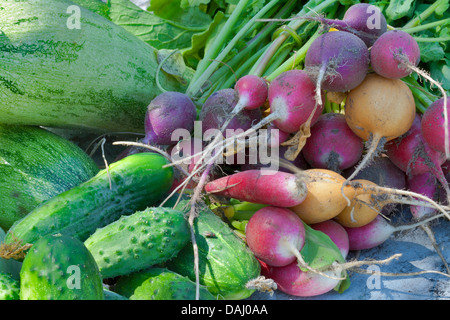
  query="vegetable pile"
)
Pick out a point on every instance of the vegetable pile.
point(269, 139)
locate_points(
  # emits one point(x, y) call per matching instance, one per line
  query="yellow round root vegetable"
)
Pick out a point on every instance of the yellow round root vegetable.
point(362, 209)
point(324, 199)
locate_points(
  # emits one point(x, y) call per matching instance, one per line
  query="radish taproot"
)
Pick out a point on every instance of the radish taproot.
point(337, 61)
point(332, 144)
point(378, 110)
point(275, 235)
point(166, 113)
point(275, 188)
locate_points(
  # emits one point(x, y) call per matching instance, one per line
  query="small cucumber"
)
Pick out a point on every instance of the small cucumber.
point(159, 284)
point(36, 165)
point(128, 185)
point(139, 241)
point(9, 287)
point(60, 267)
point(226, 264)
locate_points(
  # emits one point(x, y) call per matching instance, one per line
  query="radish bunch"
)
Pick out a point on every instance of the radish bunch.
point(351, 146)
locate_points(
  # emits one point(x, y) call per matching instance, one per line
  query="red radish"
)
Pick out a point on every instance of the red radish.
point(379, 110)
point(362, 19)
point(433, 125)
point(377, 232)
point(252, 92)
point(275, 235)
point(270, 187)
point(291, 100)
point(413, 155)
point(167, 112)
point(426, 184)
point(337, 234)
point(332, 144)
point(292, 280)
point(393, 53)
point(337, 61)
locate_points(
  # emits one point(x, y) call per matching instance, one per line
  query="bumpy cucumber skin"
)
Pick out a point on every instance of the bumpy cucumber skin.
point(59, 267)
point(160, 284)
point(9, 287)
point(137, 182)
point(138, 241)
point(35, 165)
point(226, 263)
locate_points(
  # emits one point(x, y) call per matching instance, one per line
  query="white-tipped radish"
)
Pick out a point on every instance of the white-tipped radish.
point(275, 235)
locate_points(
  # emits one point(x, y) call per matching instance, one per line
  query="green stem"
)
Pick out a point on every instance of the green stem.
point(428, 12)
point(439, 39)
point(251, 45)
point(218, 43)
point(293, 25)
point(195, 86)
point(425, 26)
point(294, 59)
point(279, 58)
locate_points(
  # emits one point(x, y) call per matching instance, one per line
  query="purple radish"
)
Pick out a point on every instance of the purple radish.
point(275, 235)
point(362, 19)
point(217, 108)
point(166, 113)
point(336, 232)
point(332, 144)
point(337, 61)
point(377, 232)
point(426, 184)
point(393, 54)
point(291, 100)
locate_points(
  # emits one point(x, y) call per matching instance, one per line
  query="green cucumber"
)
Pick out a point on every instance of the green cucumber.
point(137, 181)
point(139, 241)
point(60, 267)
point(159, 284)
point(9, 287)
point(36, 165)
point(111, 295)
point(66, 66)
point(226, 264)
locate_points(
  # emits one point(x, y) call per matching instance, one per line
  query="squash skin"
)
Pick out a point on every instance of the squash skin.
point(98, 77)
point(36, 165)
